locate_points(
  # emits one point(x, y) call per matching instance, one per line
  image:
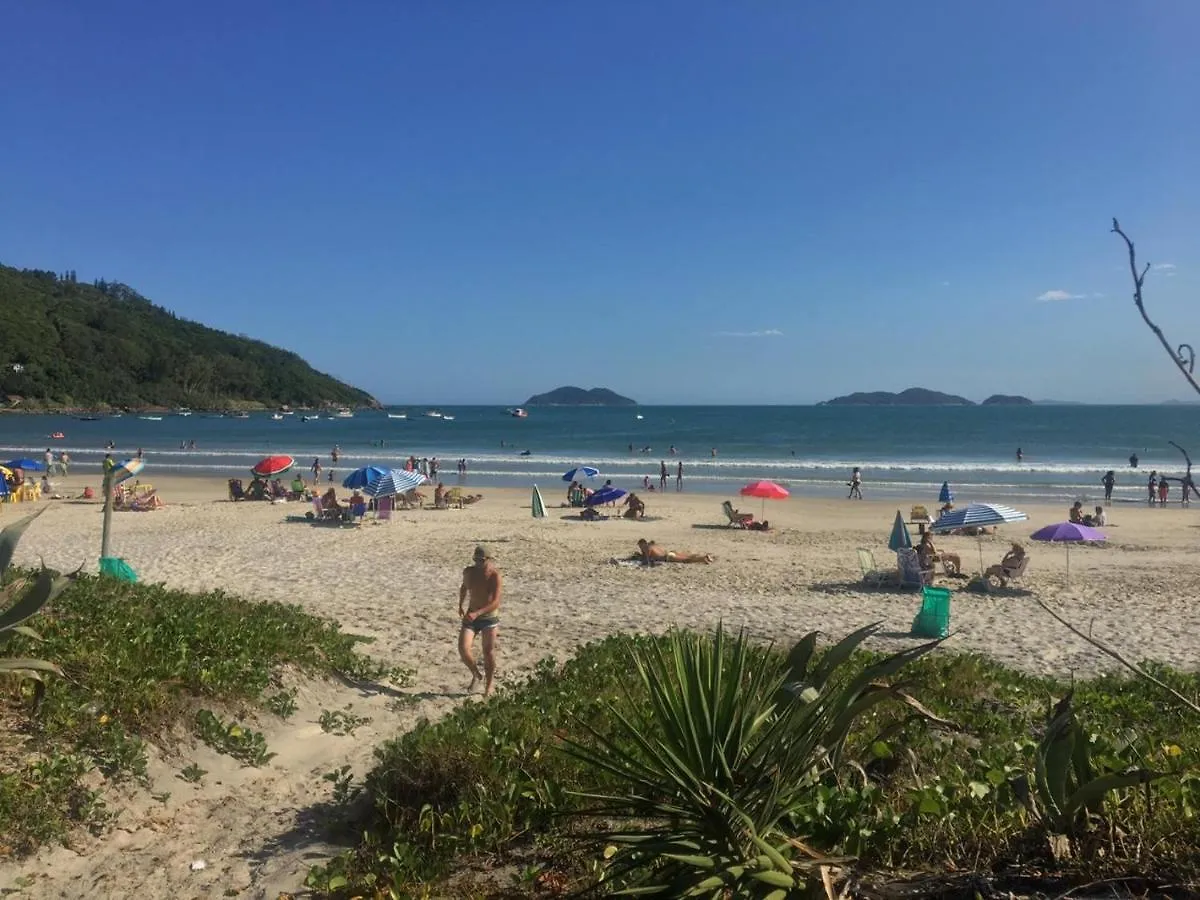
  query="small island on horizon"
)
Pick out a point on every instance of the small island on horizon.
point(574, 396)
point(921, 397)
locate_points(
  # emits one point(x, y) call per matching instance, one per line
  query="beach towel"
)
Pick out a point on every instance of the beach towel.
point(539, 506)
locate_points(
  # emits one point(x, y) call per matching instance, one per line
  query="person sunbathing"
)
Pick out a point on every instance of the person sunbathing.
point(146, 502)
point(1010, 563)
point(650, 552)
point(928, 555)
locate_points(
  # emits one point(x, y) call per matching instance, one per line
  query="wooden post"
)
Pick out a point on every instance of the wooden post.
point(108, 501)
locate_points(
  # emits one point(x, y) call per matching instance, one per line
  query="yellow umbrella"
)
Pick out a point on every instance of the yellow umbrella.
point(6, 472)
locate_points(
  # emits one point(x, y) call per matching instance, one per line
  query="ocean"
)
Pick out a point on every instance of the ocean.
point(904, 453)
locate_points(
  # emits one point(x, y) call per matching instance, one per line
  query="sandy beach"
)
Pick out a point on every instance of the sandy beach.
point(397, 583)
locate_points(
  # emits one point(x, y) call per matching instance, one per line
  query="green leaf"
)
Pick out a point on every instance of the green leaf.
point(18, 665)
point(337, 882)
point(979, 789)
point(11, 536)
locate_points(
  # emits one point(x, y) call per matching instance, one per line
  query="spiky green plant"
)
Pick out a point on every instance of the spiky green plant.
point(733, 741)
point(22, 600)
point(1067, 791)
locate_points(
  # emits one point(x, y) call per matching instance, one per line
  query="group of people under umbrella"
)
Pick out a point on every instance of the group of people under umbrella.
point(978, 519)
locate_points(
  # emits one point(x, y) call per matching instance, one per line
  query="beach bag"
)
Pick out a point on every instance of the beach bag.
point(933, 618)
point(115, 567)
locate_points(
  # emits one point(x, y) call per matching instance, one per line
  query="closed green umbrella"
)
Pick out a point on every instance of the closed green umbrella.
point(900, 538)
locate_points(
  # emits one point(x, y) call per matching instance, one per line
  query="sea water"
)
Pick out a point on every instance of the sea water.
point(904, 452)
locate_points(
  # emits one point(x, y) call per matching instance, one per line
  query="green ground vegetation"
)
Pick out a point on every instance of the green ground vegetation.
point(139, 662)
point(67, 344)
point(600, 774)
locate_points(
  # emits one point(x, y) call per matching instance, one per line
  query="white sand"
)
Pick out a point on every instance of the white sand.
point(397, 582)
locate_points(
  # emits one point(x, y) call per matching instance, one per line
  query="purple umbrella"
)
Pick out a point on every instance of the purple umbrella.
point(1068, 533)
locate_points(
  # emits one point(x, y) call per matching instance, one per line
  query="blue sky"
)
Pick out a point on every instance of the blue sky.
point(687, 202)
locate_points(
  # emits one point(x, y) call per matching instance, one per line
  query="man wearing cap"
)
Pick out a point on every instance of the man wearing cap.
point(481, 582)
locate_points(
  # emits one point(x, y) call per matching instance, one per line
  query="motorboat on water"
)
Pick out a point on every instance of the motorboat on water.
point(278, 417)
point(447, 418)
point(344, 413)
point(310, 418)
point(434, 414)
point(241, 415)
point(150, 418)
point(519, 413)
point(397, 415)
point(183, 411)
point(57, 436)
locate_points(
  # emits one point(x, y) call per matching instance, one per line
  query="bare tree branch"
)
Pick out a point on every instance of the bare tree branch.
point(1184, 356)
point(1109, 651)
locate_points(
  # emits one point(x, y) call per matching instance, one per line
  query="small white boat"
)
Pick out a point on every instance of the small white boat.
point(310, 418)
point(344, 413)
point(434, 414)
point(518, 413)
point(150, 418)
point(241, 415)
point(397, 415)
point(288, 412)
point(183, 412)
point(639, 415)
point(277, 417)
point(447, 418)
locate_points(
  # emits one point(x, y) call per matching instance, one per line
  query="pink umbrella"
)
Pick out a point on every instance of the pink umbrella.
point(764, 490)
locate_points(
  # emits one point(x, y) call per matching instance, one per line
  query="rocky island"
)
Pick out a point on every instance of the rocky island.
point(911, 397)
point(573, 396)
point(921, 397)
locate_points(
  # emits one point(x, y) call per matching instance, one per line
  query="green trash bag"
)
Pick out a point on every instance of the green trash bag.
point(933, 619)
point(115, 567)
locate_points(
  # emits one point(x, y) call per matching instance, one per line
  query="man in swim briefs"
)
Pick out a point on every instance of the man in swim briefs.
point(481, 582)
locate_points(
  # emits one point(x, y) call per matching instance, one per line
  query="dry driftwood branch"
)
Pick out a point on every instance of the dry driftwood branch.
point(1184, 356)
point(1109, 651)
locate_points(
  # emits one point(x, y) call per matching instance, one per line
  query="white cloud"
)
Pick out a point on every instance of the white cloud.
point(1163, 267)
point(945, 284)
point(1051, 296)
point(770, 332)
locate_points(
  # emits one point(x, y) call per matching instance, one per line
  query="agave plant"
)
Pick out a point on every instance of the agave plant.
point(734, 743)
point(1067, 791)
point(21, 600)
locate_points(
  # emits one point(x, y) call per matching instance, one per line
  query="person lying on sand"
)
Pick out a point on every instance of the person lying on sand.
point(650, 552)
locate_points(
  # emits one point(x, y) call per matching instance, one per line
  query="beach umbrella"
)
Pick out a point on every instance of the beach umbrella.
point(131, 468)
point(360, 478)
point(900, 537)
point(394, 481)
point(538, 504)
point(581, 472)
point(945, 495)
point(605, 495)
point(764, 490)
point(978, 515)
point(272, 466)
point(29, 465)
point(1068, 533)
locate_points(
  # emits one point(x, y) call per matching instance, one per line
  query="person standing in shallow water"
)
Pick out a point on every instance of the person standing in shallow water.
point(662, 475)
point(679, 476)
point(481, 586)
point(1108, 481)
point(855, 484)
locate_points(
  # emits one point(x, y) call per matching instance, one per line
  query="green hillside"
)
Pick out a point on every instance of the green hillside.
point(65, 344)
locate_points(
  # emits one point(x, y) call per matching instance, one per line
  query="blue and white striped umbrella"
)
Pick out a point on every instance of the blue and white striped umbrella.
point(978, 515)
point(394, 481)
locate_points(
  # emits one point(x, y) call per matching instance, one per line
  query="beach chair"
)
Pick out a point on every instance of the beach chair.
point(909, 566)
point(736, 519)
point(1004, 576)
point(383, 509)
point(872, 575)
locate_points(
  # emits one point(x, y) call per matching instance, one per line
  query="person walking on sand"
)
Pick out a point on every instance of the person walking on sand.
point(679, 476)
point(855, 484)
point(316, 470)
point(481, 616)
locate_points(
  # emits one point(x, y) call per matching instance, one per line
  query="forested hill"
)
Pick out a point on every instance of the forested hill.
point(65, 344)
